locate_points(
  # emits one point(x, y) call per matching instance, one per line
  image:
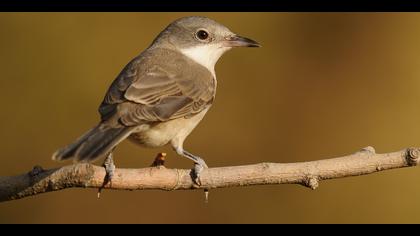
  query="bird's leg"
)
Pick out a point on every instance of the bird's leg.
point(109, 171)
point(199, 166)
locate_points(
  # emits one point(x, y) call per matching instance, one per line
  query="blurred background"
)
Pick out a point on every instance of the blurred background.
point(323, 85)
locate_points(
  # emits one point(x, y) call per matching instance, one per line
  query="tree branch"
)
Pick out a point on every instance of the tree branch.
point(308, 174)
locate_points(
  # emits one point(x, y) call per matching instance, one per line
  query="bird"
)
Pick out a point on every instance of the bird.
point(161, 95)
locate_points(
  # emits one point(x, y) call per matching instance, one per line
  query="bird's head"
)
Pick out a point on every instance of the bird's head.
point(202, 39)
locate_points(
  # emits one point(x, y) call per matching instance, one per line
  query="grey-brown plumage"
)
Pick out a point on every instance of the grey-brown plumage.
point(162, 94)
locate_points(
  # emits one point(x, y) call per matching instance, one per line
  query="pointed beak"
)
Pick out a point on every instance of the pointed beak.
point(239, 41)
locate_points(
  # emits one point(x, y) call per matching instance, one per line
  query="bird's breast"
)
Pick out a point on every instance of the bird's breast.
point(162, 133)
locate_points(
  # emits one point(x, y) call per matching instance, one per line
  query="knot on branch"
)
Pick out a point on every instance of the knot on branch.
point(368, 149)
point(36, 170)
point(311, 182)
point(159, 160)
point(412, 156)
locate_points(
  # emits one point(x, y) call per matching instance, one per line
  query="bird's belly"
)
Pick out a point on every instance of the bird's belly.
point(162, 133)
point(155, 135)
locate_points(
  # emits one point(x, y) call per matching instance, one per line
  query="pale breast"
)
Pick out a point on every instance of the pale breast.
point(162, 133)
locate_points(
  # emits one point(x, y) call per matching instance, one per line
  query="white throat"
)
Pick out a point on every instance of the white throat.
point(205, 55)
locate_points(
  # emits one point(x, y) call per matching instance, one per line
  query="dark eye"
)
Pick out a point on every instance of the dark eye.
point(202, 35)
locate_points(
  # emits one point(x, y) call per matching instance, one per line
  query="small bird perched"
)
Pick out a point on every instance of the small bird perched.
point(162, 94)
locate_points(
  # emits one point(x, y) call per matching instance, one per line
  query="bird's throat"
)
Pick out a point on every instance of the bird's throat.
point(205, 55)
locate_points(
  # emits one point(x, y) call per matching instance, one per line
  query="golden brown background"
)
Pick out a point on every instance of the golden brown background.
point(322, 85)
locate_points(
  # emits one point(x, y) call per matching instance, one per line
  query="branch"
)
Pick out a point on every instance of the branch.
point(308, 174)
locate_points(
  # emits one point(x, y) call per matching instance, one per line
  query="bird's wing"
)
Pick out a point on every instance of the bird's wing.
point(166, 89)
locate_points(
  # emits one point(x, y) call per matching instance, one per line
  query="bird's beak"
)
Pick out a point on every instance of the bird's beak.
point(239, 41)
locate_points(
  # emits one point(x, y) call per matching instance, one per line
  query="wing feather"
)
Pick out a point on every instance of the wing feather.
point(150, 90)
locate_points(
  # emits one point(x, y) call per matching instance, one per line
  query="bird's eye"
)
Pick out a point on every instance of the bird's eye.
point(202, 34)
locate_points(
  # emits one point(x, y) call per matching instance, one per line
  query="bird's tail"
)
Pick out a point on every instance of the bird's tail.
point(95, 143)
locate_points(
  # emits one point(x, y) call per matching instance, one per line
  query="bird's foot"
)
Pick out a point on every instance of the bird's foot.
point(109, 172)
point(198, 169)
point(199, 166)
point(109, 169)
